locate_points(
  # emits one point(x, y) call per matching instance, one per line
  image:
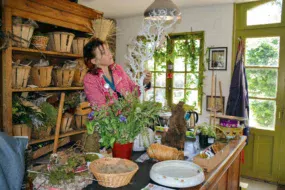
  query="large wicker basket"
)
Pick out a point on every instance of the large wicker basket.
point(20, 75)
point(40, 42)
point(22, 130)
point(60, 41)
point(78, 44)
point(24, 33)
point(113, 180)
point(63, 77)
point(80, 72)
point(41, 76)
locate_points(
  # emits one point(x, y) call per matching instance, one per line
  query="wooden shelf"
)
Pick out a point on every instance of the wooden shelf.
point(60, 136)
point(53, 53)
point(47, 89)
point(230, 117)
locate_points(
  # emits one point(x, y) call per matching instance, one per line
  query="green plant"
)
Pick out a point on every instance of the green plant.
point(207, 130)
point(22, 114)
point(71, 100)
point(50, 114)
point(123, 120)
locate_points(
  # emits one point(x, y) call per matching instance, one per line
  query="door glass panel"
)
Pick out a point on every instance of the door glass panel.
point(179, 64)
point(160, 95)
point(267, 13)
point(149, 94)
point(262, 51)
point(160, 79)
point(178, 95)
point(262, 113)
point(262, 83)
point(178, 80)
point(192, 80)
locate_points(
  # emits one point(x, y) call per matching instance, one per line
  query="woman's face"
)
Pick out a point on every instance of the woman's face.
point(103, 56)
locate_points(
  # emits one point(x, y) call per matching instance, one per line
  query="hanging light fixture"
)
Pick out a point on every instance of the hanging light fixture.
point(168, 5)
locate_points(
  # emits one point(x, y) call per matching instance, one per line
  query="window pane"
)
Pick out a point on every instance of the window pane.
point(161, 67)
point(192, 80)
point(179, 64)
point(149, 94)
point(178, 80)
point(196, 68)
point(267, 13)
point(262, 113)
point(262, 82)
point(192, 98)
point(160, 95)
point(160, 79)
point(262, 51)
point(178, 95)
point(150, 65)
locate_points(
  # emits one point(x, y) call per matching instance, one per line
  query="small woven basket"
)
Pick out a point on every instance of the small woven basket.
point(66, 122)
point(78, 45)
point(41, 76)
point(113, 180)
point(60, 41)
point(20, 75)
point(63, 77)
point(24, 33)
point(40, 42)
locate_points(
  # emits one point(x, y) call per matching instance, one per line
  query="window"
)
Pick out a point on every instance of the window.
point(267, 13)
point(178, 71)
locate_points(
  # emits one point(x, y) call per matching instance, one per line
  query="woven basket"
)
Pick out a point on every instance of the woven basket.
point(20, 75)
point(60, 41)
point(66, 123)
point(22, 130)
point(80, 72)
point(63, 77)
point(78, 44)
point(81, 114)
point(112, 180)
point(41, 76)
point(40, 42)
point(24, 32)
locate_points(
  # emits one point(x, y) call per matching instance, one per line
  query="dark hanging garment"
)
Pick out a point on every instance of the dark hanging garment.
point(238, 104)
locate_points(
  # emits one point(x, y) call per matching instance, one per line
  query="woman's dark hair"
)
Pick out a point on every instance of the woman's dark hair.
point(89, 54)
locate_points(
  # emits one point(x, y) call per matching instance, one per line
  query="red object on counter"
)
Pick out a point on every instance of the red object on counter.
point(122, 150)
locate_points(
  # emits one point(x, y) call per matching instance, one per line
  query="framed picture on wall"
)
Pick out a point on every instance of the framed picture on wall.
point(218, 58)
point(210, 103)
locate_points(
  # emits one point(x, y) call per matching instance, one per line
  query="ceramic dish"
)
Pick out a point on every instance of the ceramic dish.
point(177, 173)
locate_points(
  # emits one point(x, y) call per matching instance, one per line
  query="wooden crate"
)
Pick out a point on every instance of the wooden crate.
point(22, 130)
point(211, 163)
point(41, 76)
point(66, 122)
point(60, 41)
point(78, 45)
point(63, 77)
point(24, 33)
point(20, 76)
point(81, 114)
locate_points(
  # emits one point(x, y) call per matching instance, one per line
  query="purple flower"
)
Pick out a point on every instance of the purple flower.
point(122, 118)
point(91, 115)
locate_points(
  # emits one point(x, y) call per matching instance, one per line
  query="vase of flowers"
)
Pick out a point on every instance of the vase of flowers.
point(120, 122)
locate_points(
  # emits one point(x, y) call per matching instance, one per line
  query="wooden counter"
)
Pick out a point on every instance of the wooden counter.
point(225, 177)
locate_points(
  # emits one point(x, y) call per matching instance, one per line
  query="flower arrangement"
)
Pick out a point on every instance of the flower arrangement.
point(123, 120)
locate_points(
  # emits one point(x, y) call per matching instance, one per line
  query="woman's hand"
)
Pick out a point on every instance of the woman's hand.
point(148, 77)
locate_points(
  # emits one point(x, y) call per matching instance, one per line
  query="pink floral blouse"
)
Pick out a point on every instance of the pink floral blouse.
point(97, 94)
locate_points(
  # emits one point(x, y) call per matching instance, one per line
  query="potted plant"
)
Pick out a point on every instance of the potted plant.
point(207, 135)
point(91, 138)
point(23, 116)
point(119, 123)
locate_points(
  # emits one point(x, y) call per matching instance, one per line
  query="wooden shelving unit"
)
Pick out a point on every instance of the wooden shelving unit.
point(65, 15)
point(53, 53)
point(60, 136)
point(47, 89)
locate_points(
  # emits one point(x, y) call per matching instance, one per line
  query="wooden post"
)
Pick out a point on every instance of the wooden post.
point(221, 96)
point(212, 94)
point(58, 122)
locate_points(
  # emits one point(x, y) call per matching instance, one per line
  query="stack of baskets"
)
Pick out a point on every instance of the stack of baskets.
point(41, 76)
point(60, 41)
point(23, 34)
point(20, 76)
point(81, 114)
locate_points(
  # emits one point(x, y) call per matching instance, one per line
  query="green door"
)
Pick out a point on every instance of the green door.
point(264, 41)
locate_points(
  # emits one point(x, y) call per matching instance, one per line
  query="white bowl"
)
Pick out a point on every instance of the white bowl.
point(177, 173)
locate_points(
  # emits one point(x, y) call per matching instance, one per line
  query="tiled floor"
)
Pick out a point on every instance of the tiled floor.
point(258, 185)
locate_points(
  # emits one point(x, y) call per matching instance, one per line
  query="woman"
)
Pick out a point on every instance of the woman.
point(105, 81)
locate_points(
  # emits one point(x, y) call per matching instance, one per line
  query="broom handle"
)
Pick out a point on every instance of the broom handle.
point(58, 121)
